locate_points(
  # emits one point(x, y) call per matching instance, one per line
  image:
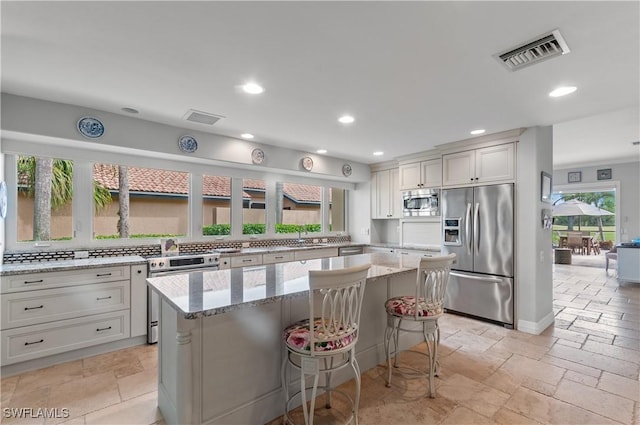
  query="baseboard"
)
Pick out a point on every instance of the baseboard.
point(538, 327)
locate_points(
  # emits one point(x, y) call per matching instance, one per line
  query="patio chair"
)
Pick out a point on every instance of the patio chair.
point(611, 255)
point(574, 242)
point(595, 245)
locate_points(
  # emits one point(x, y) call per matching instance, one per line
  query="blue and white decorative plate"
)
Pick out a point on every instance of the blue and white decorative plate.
point(257, 156)
point(188, 144)
point(346, 170)
point(90, 127)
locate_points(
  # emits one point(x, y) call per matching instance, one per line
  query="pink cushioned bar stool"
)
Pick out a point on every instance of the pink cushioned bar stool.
point(335, 301)
point(425, 306)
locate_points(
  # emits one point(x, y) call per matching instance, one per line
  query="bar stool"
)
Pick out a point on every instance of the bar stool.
point(425, 306)
point(331, 345)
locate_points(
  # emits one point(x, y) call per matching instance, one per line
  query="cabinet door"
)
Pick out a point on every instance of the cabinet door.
point(458, 168)
point(139, 300)
point(395, 196)
point(383, 188)
point(431, 172)
point(410, 176)
point(495, 163)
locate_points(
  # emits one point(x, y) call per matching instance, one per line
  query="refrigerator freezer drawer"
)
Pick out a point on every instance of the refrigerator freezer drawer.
point(488, 297)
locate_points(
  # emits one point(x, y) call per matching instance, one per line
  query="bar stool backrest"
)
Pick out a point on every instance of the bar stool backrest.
point(432, 280)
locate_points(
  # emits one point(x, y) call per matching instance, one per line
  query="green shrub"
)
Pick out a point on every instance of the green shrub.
point(216, 229)
point(254, 229)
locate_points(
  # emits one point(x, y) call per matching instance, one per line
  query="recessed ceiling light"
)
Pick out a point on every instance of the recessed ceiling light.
point(247, 136)
point(563, 91)
point(252, 88)
point(378, 153)
point(130, 110)
point(321, 151)
point(478, 131)
point(346, 119)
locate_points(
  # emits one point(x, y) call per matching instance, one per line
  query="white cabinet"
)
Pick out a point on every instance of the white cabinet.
point(377, 249)
point(246, 260)
point(278, 257)
point(477, 166)
point(310, 254)
point(385, 194)
point(418, 175)
point(629, 264)
point(403, 251)
point(139, 300)
point(53, 312)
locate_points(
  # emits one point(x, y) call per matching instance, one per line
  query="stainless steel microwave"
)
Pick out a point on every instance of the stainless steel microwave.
point(421, 203)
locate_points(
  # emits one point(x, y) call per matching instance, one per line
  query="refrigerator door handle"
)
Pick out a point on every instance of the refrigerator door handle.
point(467, 276)
point(476, 227)
point(467, 228)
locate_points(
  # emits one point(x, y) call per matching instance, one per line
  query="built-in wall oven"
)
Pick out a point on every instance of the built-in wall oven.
point(421, 203)
point(164, 266)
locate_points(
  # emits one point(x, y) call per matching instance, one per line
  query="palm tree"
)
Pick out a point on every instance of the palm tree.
point(50, 183)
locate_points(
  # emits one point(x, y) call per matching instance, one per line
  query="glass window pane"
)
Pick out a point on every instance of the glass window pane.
point(157, 206)
point(253, 207)
point(299, 208)
point(45, 194)
point(216, 205)
point(337, 201)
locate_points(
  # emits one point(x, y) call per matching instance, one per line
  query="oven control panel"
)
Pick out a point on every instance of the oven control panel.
point(183, 262)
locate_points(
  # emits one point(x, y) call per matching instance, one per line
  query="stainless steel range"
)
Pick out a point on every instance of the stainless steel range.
point(163, 266)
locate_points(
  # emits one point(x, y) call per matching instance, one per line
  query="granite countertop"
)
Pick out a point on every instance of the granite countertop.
point(55, 266)
point(281, 248)
point(209, 293)
point(429, 248)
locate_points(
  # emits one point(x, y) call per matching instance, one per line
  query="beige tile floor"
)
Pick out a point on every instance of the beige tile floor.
point(582, 370)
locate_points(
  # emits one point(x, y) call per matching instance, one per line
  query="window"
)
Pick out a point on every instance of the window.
point(299, 209)
point(45, 194)
point(253, 207)
point(216, 205)
point(337, 209)
point(153, 203)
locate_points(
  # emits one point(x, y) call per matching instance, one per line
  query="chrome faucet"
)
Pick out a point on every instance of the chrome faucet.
point(300, 240)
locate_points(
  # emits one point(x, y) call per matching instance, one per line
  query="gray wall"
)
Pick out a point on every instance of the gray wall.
point(534, 277)
point(628, 177)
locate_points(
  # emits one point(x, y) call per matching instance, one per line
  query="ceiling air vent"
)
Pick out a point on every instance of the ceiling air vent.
point(541, 48)
point(202, 117)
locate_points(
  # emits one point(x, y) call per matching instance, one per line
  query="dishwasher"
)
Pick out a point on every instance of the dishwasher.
point(350, 250)
point(165, 266)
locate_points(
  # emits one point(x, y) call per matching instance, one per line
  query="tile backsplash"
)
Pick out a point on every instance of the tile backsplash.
point(153, 250)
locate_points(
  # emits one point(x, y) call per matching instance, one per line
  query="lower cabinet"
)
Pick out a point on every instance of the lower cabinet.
point(50, 313)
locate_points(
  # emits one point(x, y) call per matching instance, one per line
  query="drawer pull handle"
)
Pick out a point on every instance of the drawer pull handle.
point(33, 281)
point(33, 308)
point(247, 261)
point(103, 298)
point(103, 274)
point(103, 329)
point(279, 258)
point(35, 342)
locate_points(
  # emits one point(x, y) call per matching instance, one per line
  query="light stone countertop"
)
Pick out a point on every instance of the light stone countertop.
point(209, 293)
point(55, 266)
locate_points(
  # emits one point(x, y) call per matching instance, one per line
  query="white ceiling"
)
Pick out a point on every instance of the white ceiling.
point(414, 74)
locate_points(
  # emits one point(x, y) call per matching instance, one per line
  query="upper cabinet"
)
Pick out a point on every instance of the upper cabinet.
point(386, 201)
point(418, 175)
point(483, 165)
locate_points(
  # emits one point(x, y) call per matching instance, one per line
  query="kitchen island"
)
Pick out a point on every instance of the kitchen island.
point(220, 348)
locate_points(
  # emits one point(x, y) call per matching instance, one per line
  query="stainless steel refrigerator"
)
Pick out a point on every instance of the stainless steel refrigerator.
point(477, 225)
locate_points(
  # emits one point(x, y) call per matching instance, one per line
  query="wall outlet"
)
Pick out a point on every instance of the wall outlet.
point(80, 254)
point(246, 244)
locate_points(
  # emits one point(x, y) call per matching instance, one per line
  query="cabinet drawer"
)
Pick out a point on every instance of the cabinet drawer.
point(280, 257)
point(31, 342)
point(316, 253)
point(46, 280)
point(246, 260)
point(33, 307)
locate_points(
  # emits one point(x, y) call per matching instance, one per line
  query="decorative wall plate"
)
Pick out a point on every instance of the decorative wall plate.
point(188, 144)
point(307, 163)
point(257, 156)
point(90, 127)
point(346, 170)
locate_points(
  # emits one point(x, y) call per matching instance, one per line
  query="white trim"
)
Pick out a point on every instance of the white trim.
point(536, 328)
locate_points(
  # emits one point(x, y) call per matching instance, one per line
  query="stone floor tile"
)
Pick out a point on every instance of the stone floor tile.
point(138, 384)
point(86, 395)
point(7, 386)
point(569, 343)
point(473, 394)
point(142, 410)
point(600, 339)
point(523, 366)
point(548, 410)
point(462, 415)
point(478, 366)
point(468, 341)
point(616, 384)
point(621, 323)
point(121, 362)
point(34, 399)
point(630, 343)
point(569, 365)
point(567, 335)
point(53, 375)
point(611, 351)
point(574, 376)
point(509, 417)
point(592, 399)
point(598, 361)
point(522, 348)
point(75, 421)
